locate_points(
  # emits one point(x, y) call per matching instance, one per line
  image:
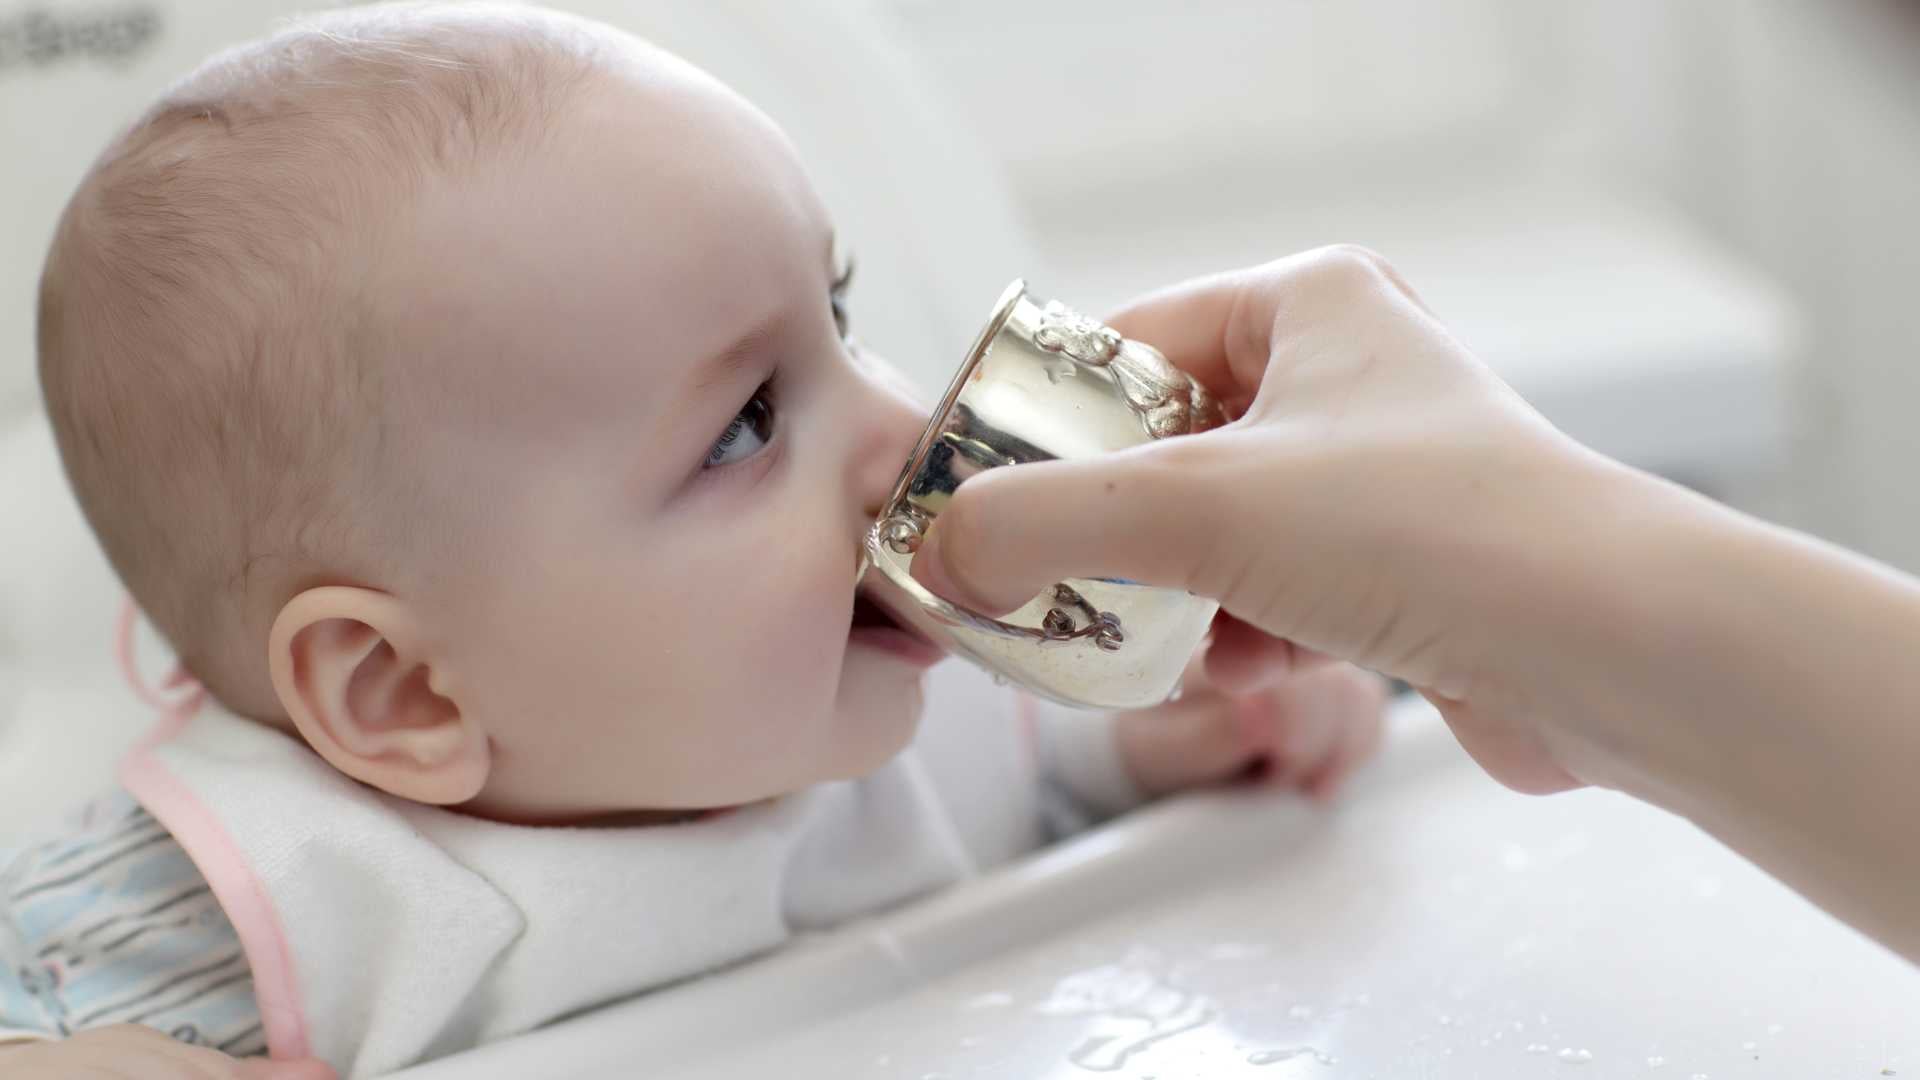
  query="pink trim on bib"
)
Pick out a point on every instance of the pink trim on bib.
point(276, 987)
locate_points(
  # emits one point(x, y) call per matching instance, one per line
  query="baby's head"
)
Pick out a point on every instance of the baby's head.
point(466, 389)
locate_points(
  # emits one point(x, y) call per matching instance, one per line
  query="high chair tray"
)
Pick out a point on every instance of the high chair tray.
point(1432, 924)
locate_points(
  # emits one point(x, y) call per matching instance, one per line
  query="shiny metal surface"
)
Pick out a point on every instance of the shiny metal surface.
point(1041, 383)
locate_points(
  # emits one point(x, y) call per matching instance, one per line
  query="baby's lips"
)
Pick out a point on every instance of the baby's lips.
point(904, 608)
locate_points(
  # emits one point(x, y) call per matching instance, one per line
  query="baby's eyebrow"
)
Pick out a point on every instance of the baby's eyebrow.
point(724, 367)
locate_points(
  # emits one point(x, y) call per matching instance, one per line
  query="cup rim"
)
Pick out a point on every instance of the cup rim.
point(1003, 308)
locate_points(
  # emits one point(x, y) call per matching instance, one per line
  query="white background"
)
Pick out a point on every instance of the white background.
point(1780, 141)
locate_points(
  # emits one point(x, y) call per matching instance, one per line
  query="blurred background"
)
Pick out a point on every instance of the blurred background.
point(1689, 232)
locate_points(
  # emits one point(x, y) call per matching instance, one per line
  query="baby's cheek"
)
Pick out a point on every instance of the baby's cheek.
point(812, 582)
point(813, 620)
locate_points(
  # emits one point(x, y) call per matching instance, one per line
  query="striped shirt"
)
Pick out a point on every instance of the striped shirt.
point(109, 922)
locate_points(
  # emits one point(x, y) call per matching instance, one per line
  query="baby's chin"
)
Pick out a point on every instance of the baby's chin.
point(877, 719)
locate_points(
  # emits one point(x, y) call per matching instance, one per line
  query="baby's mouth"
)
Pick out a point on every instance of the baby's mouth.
point(866, 612)
point(874, 623)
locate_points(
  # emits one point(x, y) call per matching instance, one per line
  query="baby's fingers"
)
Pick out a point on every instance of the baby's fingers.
point(136, 1052)
point(1310, 731)
point(261, 1069)
point(1328, 722)
point(1289, 734)
point(1358, 742)
point(1243, 660)
point(1188, 743)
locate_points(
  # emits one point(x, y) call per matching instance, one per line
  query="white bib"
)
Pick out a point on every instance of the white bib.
point(381, 932)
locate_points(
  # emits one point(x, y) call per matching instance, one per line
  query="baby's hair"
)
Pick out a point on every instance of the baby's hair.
point(212, 340)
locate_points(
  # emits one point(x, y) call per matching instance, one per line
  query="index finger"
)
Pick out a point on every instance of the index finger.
point(1222, 328)
point(1204, 327)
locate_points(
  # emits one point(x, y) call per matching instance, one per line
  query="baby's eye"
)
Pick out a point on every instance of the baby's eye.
point(747, 433)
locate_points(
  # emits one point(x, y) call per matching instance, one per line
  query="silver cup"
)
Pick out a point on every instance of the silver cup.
point(1040, 383)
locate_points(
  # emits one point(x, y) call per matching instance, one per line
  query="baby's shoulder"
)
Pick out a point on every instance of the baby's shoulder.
point(105, 919)
point(100, 849)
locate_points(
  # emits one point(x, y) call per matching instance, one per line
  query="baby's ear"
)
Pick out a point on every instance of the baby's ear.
point(347, 666)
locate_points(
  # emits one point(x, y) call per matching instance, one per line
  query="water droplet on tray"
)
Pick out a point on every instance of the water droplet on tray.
point(1538, 1048)
point(1570, 1056)
point(1288, 1053)
point(1655, 1062)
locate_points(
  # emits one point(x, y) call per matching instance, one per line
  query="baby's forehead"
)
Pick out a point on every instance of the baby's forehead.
point(662, 221)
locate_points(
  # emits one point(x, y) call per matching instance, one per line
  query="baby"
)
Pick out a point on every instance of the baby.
point(466, 394)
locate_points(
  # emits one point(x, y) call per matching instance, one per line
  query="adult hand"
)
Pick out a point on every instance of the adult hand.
point(1382, 497)
point(1363, 500)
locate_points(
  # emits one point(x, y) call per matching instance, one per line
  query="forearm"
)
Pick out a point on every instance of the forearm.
point(1762, 684)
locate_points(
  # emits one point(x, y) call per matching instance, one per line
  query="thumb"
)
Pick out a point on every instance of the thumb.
point(1142, 514)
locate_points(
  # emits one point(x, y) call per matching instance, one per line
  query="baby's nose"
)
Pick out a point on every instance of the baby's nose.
point(890, 420)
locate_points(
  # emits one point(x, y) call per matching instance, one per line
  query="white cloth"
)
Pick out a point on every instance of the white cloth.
point(381, 933)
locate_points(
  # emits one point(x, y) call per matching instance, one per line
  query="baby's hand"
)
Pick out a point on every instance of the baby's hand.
point(134, 1052)
point(1308, 732)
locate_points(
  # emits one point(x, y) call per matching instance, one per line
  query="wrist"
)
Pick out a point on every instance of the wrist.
point(1597, 618)
point(1700, 659)
point(1758, 683)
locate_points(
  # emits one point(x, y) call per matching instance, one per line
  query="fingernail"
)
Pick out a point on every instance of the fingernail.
point(1325, 785)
